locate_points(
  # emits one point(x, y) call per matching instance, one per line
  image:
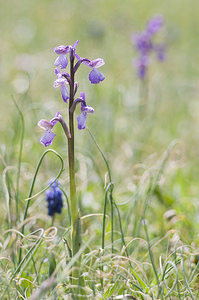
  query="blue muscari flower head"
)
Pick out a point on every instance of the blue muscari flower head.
point(145, 45)
point(54, 198)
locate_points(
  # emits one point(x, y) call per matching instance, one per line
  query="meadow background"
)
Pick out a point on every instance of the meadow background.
point(163, 142)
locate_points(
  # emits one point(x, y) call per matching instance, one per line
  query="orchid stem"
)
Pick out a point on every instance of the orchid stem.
point(76, 227)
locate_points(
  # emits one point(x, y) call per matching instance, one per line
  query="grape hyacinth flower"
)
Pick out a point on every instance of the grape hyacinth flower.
point(54, 198)
point(145, 45)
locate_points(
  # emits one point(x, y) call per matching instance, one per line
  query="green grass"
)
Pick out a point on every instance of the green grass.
point(145, 243)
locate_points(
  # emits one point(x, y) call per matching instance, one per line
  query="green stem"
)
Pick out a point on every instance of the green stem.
point(76, 231)
point(19, 160)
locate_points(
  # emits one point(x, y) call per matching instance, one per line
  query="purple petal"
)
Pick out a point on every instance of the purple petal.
point(75, 44)
point(142, 42)
point(87, 109)
point(61, 49)
point(81, 119)
point(64, 92)
point(155, 24)
point(59, 81)
point(96, 63)
point(44, 124)
point(82, 95)
point(61, 61)
point(47, 138)
point(96, 76)
point(77, 56)
point(58, 73)
point(49, 193)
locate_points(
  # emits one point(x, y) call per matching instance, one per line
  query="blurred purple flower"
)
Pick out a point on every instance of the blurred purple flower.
point(145, 45)
point(81, 119)
point(141, 64)
point(48, 136)
point(142, 42)
point(155, 24)
point(61, 82)
point(160, 51)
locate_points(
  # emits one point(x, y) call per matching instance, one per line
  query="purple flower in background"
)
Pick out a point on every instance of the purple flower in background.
point(145, 45)
point(160, 52)
point(81, 119)
point(48, 136)
point(141, 64)
point(155, 24)
point(61, 82)
point(54, 198)
point(142, 42)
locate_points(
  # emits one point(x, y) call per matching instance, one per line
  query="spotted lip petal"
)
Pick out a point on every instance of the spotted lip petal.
point(61, 61)
point(61, 82)
point(81, 119)
point(64, 92)
point(96, 76)
point(47, 138)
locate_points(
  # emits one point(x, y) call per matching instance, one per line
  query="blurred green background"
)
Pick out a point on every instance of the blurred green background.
point(30, 30)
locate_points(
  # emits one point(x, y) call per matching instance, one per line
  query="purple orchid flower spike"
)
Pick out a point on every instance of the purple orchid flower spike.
point(146, 45)
point(81, 119)
point(61, 82)
point(48, 136)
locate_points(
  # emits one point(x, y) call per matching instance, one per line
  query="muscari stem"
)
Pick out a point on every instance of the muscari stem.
point(76, 235)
